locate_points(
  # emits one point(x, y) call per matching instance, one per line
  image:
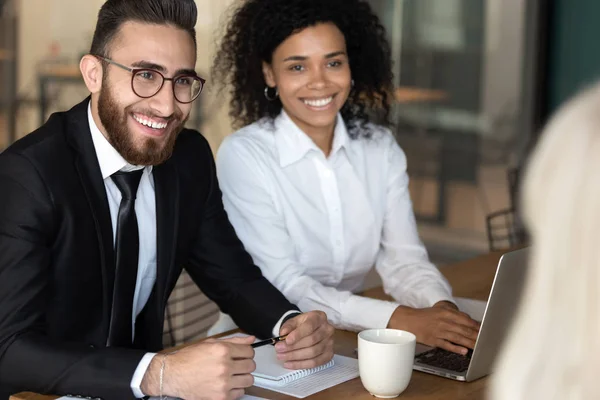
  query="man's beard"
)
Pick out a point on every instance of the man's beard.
point(151, 151)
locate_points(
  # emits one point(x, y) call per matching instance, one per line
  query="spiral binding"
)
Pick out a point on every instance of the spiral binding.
point(292, 376)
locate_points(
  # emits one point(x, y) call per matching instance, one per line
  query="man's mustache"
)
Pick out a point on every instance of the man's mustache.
point(177, 116)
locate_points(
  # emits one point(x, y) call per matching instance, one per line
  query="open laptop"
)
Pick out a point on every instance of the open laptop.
point(497, 317)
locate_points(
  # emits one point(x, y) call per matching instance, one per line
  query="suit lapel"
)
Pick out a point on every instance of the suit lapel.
point(79, 136)
point(166, 186)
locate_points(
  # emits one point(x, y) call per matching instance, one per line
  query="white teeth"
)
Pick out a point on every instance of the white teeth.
point(319, 103)
point(151, 124)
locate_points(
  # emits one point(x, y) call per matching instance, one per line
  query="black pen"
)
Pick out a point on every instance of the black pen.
point(269, 341)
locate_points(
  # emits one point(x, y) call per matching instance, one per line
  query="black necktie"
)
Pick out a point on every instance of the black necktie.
point(126, 255)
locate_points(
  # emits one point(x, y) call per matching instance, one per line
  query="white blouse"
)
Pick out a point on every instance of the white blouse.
point(317, 225)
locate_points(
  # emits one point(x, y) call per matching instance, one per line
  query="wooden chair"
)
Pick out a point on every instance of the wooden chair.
point(189, 313)
point(504, 230)
point(504, 227)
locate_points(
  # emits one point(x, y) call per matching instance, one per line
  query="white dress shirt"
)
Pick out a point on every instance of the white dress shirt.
point(317, 225)
point(145, 208)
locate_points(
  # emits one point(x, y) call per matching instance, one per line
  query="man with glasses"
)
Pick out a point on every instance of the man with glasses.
point(102, 207)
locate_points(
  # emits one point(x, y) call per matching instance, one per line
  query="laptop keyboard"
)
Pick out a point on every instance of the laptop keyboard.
point(445, 359)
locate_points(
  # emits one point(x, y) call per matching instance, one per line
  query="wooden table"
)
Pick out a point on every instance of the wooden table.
point(472, 278)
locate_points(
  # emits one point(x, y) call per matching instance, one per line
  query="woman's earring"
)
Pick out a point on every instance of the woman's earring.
point(352, 82)
point(268, 96)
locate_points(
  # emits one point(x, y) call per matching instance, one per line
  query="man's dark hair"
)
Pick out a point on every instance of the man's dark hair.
point(114, 13)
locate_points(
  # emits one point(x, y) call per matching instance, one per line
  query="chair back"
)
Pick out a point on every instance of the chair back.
point(189, 313)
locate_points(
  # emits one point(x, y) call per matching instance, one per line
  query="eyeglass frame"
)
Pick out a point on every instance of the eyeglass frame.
point(135, 71)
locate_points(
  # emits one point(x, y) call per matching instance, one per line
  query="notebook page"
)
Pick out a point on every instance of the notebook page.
point(269, 367)
point(345, 368)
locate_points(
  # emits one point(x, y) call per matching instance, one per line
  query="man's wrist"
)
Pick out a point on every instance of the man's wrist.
point(289, 316)
point(162, 379)
point(139, 373)
point(150, 382)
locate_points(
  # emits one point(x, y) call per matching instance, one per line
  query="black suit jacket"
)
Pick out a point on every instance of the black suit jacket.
point(57, 260)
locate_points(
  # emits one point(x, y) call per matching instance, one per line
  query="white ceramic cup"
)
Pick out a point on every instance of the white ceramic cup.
point(385, 361)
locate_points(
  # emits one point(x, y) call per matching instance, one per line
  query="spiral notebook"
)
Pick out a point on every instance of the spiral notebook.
point(270, 371)
point(272, 375)
point(303, 383)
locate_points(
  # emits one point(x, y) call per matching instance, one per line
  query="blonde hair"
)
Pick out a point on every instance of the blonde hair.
point(551, 351)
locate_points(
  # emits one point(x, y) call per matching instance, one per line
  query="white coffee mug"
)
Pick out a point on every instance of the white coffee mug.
point(385, 361)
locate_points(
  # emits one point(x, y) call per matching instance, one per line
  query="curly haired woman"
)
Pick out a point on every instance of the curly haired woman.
point(315, 188)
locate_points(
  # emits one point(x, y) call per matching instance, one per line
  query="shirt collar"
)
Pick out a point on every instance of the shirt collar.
point(293, 144)
point(109, 159)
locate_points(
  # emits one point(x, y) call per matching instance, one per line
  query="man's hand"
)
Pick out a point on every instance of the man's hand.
point(440, 326)
point(209, 370)
point(309, 341)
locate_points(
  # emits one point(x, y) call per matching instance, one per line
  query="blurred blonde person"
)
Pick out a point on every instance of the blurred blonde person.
point(552, 348)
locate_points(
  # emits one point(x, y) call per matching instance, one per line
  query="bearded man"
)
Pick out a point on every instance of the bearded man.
point(102, 207)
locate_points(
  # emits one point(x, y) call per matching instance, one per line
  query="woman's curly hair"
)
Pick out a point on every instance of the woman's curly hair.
point(257, 27)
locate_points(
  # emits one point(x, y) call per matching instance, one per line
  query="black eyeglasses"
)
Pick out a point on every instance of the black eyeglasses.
point(146, 83)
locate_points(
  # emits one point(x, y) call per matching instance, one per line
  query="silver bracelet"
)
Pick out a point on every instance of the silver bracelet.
point(162, 373)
